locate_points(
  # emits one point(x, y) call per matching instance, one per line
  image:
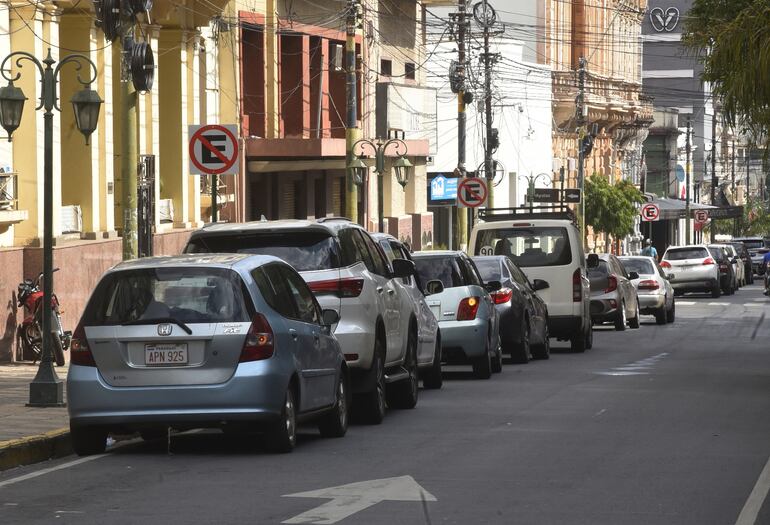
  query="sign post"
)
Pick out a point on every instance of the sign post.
point(213, 150)
point(472, 192)
point(701, 216)
point(650, 212)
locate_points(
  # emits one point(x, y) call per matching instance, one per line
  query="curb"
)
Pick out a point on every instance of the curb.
point(33, 449)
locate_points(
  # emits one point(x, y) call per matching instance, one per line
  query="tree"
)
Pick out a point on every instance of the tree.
point(611, 209)
point(755, 221)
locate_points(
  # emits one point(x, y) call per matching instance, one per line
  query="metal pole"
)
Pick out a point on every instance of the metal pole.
point(714, 179)
point(351, 121)
point(748, 173)
point(462, 213)
point(128, 159)
point(687, 185)
point(581, 122)
point(488, 164)
point(214, 190)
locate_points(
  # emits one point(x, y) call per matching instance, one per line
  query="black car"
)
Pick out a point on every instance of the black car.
point(523, 314)
point(727, 277)
point(745, 257)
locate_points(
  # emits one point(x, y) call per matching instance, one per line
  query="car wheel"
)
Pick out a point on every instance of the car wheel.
point(87, 441)
point(634, 321)
point(482, 365)
point(334, 424)
point(282, 435)
point(403, 394)
point(620, 320)
point(590, 337)
point(660, 315)
point(671, 314)
point(543, 351)
point(432, 377)
point(371, 405)
point(497, 361)
point(522, 350)
point(716, 291)
point(58, 350)
point(579, 342)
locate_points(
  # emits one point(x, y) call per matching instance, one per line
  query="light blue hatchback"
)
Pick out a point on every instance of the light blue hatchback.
point(228, 341)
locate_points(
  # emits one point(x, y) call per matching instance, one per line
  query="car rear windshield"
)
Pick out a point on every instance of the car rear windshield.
point(527, 247)
point(439, 268)
point(602, 270)
point(679, 254)
point(754, 244)
point(187, 295)
point(640, 266)
point(489, 269)
point(305, 251)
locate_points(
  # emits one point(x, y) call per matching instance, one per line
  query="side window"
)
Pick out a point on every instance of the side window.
point(273, 287)
point(348, 247)
point(378, 260)
point(362, 253)
point(388, 249)
point(307, 308)
point(468, 271)
point(518, 276)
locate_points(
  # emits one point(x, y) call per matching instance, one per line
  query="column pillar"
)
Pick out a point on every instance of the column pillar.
point(196, 114)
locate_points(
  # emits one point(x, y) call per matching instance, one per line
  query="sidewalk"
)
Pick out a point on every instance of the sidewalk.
point(28, 434)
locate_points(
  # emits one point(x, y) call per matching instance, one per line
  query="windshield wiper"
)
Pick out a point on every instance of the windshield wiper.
point(158, 320)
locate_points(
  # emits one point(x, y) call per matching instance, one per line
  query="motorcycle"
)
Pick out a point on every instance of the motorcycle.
point(30, 296)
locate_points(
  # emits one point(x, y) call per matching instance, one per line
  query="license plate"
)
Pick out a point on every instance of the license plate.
point(165, 354)
point(436, 311)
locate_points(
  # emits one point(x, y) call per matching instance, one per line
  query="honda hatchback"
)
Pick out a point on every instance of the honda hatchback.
point(227, 341)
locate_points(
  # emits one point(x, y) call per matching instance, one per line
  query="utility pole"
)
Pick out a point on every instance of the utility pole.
point(714, 179)
point(581, 123)
point(687, 185)
point(732, 162)
point(128, 159)
point(461, 231)
point(491, 143)
point(747, 156)
point(351, 122)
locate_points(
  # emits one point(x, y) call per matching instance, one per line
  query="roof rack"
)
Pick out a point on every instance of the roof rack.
point(329, 219)
point(541, 212)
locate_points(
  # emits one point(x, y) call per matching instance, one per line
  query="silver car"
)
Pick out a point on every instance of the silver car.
point(467, 317)
point(693, 268)
point(230, 341)
point(613, 297)
point(655, 293)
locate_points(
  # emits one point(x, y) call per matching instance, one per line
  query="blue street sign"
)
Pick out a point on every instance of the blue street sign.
point(680, 175)
point(442, 188)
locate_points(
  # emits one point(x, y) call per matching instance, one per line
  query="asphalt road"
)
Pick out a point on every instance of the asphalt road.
point(661, 425)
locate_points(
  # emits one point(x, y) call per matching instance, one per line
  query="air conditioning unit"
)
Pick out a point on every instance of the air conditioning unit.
point(166, 211)
point(71, 219)
point(335, 60)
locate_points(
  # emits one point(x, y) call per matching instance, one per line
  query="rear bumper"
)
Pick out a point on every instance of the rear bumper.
point(651, 302)
point(564, 327)
point(705, 285)
point(254, 393)
point(468, 338)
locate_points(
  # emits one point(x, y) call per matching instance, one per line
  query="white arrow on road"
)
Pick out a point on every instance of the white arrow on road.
point(355, 497)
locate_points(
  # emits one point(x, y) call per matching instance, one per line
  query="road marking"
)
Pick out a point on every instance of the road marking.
point(686, 303)
point(638, 368)
point(45, 471)
point(750, 511)
point(719, 304)
point(355, 497)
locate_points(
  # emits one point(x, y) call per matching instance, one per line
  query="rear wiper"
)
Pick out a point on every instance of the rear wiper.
point(158, 320)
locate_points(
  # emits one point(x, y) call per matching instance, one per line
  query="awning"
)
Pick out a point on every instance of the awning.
point(675, 209)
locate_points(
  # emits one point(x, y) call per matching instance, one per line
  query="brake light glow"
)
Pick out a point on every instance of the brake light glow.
point(259, 340)
point(468, 308)
point(577, 286)
point(665, 264)
point(343, 288)
point(612, 284)
point(80, 353)
point(502, 296)
point(521, 225)
point(649, 284)
point(708, 262)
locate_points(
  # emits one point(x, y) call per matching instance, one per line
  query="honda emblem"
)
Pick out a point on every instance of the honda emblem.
point(164, 329)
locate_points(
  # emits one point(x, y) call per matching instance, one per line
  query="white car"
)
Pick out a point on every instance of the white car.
point(738, 268)
point(428, 334)
point(547, 246)
point(348, 272)
point(692, 269)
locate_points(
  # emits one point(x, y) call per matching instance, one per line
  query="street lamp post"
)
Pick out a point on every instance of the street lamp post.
point(401, 166)
point(531, 180)
point(47, 389)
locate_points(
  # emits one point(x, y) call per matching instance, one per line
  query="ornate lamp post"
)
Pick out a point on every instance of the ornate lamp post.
point(531, 180)
point(401, 166)
point(47, 389)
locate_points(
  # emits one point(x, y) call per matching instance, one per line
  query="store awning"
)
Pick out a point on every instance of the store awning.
point(674, 209)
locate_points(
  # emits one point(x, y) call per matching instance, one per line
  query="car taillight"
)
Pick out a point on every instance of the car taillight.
point(502, 296)
point(665, 264)
point(259, 340)
point(723, 268)
point(612, 284)
point(649, 284)
point(80, 353)
point(344, 288)
point(468, 309)
point(708, 261)
point(577, 286)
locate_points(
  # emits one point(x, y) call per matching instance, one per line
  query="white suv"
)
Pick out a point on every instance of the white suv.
point(547, 246)
point(348, 272)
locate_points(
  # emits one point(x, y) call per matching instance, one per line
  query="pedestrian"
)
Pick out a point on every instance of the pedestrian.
point(649, 250)
point(766, 265)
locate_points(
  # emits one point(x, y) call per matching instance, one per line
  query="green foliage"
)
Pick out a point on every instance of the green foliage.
point(755, 222)
point(611, 208)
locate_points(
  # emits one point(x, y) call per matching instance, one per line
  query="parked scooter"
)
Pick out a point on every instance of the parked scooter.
point(30, 296)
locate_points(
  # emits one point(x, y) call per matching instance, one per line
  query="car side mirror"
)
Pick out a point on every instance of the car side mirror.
point(670, 276)
point(403, 268)
point(330, 317)
point(592, 260)
point(633, 276)
point(493, 286)
point(539, 284)
point(433, 287)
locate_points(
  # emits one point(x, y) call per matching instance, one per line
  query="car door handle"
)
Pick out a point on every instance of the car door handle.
point(293, 334)
point(380, 289)
point(316, 340)
point(391, 292)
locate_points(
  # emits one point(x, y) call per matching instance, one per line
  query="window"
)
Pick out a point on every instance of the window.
point(470, 274)
point(640, 266)
point(388, 249)
point(490, 269)
point(528, 247)
point(273, 288)
point(680, 254)
point(378, 260)
point(386, 67)
point(441, 268)
point(409, 70)
point(518, 275)
point(307, 308)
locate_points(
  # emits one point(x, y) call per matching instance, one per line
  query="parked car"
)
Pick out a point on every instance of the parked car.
point(758, 247)
point(737, 264)
point(204, 341)
point(692, 269)
point(523, 314)
point(613, 296)
point(545, 246)
point(467, 317)
point(727, 277)
point(745, 257)
point(348, 272)
point(653, 289)
point(428, 334)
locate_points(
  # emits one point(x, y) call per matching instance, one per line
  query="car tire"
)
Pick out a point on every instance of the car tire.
point(403, 394)
point(579, 342)
point(620, 320)
point(678, 293)
point(671, 314)
point(497, 361)
point(521, 351)
point(334, 424)
point(543, 350)
point(370, 406)
point(716, 291)
point(58, 350)
point(634, 321)
point(590, 337)
point(432, 377)
point(661, 315)
point(281, 437)
point(153, 434)
point(482, 365)
point(88, 441)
